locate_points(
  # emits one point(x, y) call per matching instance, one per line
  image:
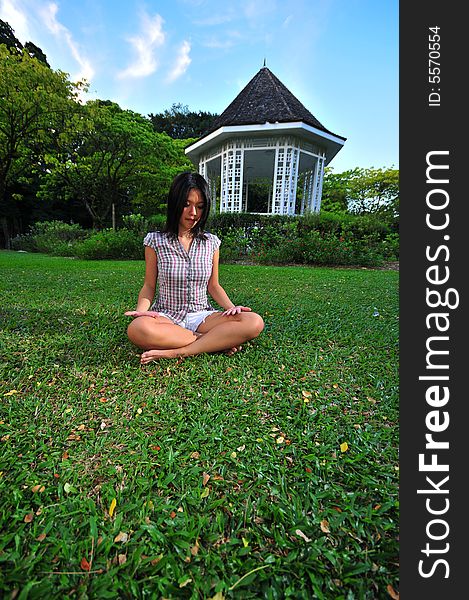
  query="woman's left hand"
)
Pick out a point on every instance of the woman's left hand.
point(235, 310)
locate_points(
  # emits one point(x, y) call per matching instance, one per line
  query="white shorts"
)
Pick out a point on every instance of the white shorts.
point(193, 320)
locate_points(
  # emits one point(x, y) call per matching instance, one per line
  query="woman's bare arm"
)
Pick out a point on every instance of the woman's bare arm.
point(218, 293)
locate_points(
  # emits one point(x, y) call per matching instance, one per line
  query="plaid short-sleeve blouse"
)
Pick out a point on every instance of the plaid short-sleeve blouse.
point(182, 276)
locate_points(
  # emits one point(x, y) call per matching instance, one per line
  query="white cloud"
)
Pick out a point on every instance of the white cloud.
point(48, 14)
point(216, 19)
point(16, 17)
point(183, 60)
point(145, 43)
point(223, 41)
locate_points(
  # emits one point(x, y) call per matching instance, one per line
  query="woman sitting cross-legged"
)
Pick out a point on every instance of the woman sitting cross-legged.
point(183, 260)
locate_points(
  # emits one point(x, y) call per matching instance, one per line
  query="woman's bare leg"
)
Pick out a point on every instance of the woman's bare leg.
point(219, 333)
point(158, 333)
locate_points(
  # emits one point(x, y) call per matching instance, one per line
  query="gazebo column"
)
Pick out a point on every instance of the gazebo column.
point(232, 167)
point(317, 184)
point(211, 181)
point(285, 180)
point(292, 176)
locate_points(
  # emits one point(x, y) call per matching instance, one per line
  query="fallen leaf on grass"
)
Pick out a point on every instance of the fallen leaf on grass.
point(324, 524)
point(11, 392)
point(392, 592)
point(41, 537)
point(195, 455)
point(68, 488)
point(195, 548)
point(344, 447)
point(85, 565)
point(112, 507)
point(205, 492)
point(122, 559)
point(185, 582)
point(205, 478)
point(121, 537)
point(280, 440)
point(29, 517)
point(302, 535)
point(241, 448)
point(37, 488)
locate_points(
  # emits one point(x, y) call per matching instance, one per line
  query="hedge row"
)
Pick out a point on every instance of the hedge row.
point(313, 239)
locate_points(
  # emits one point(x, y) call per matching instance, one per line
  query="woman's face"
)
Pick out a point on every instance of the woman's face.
point(192, 210)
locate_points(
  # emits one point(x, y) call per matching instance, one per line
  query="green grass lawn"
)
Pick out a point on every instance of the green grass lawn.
point(270, 474)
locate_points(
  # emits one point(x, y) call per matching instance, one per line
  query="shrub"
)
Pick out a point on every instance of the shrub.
point(142, 225)
point(108, 244)
point(51, 237)
point(24, 242)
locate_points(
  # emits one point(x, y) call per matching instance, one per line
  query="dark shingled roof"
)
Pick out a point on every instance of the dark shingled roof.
point(265, 99)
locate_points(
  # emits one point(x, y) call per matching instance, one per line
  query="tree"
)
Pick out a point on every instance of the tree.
point(362, 191)
point(374, 191)
point(7, 37)
point(335, 191)
point(34, 103)
point(110, 157)
point(181, 123)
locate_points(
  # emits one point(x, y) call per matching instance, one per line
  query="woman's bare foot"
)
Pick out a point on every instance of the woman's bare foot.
point(233, 350)
point(150, 355)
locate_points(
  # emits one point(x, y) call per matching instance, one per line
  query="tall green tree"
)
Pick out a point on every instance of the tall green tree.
point(181, 123)
point(335, 191)
point(362, 191)
point(374, 191)
point(8, 37)
point(34, 103)
point(110, 158)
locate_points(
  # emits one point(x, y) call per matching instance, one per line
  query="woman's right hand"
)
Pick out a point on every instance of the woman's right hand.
point(142, 313)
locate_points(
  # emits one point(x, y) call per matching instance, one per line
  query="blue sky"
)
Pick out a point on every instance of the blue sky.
point(338, 57)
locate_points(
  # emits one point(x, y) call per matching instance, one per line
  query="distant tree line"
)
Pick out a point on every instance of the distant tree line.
point(181, 123)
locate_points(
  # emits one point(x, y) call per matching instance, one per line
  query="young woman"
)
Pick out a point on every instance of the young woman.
point(183, 259)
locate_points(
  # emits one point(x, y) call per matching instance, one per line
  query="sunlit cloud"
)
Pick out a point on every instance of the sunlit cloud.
point(216, 19)
point(183, 60)
point(144, 44)
point(223, 41)
point(12, 13)
point(48, 14)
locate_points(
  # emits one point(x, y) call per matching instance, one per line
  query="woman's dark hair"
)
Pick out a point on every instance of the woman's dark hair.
point(181, 186)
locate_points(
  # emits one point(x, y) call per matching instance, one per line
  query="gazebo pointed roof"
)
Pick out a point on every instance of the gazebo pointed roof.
point(265, 99)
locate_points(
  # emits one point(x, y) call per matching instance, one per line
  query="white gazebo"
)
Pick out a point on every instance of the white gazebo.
point(266, 135)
